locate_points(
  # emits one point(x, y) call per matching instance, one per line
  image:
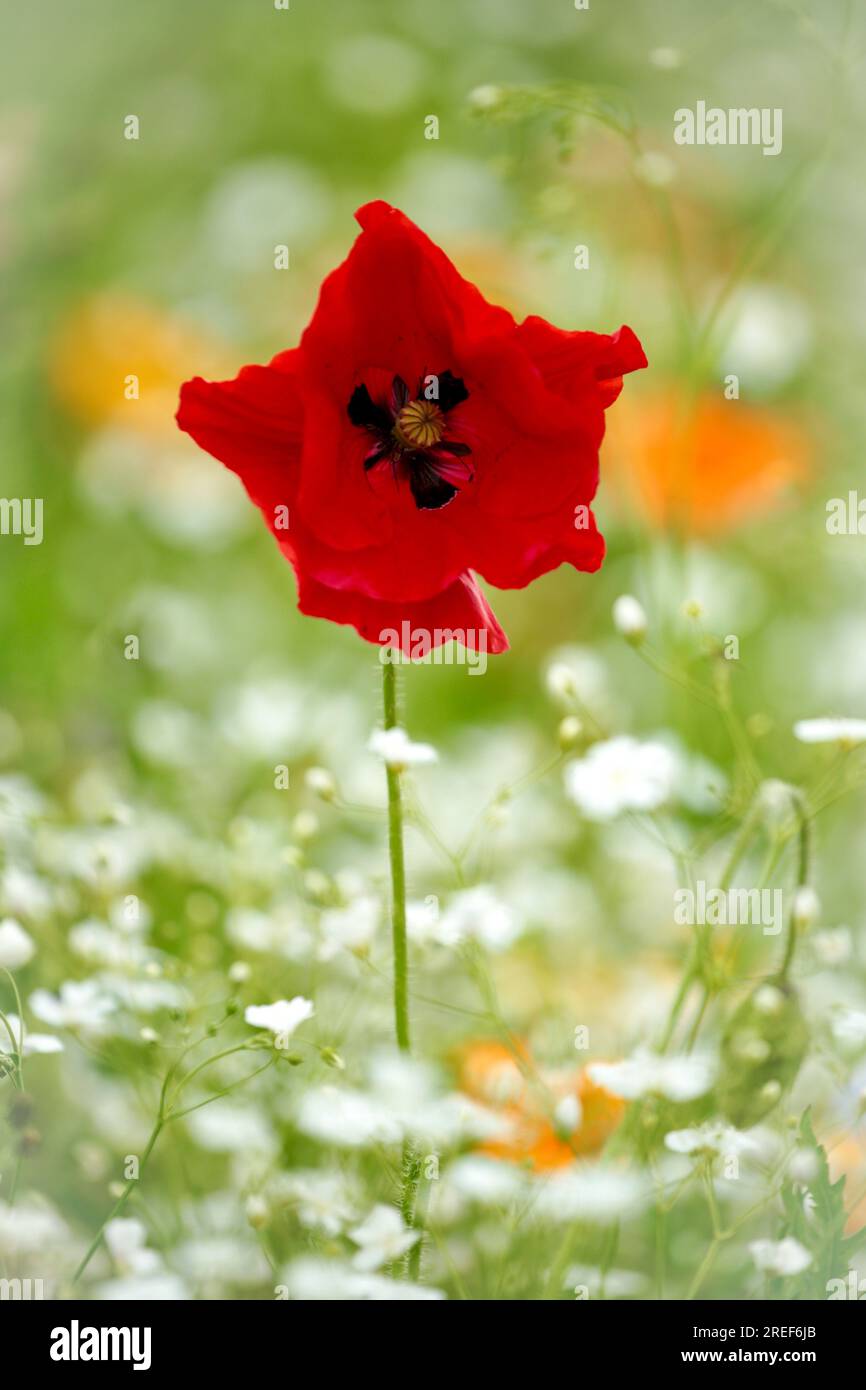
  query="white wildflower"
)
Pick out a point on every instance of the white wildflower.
point(478, 914)
point(621, 774)
point(80, 1004)
point(34, 1043)
point(677, 1078)
point(382, 1238)
point(596, 1194)
point(17, 947)
point(847, 732)
point(780, 1257)
point(281, 1018)
point(397, 750)
point(349, 928)
point(629, 618)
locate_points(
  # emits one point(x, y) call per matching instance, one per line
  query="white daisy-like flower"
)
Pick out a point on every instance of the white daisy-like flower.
point(714, 1136)
point(382, 1238)
point(677, 1078)
point(478, 914)
point(621, 774)
point(282, 1017)
point(80, 1004)
point(397, 750)
point(322, 1199)
point(847, 732)
point(34, 1043)
point(17, 947)
point(780, 1257)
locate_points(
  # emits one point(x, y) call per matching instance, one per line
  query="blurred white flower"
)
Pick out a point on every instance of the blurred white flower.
point(678, 1078)
point(126, 1239)
point(478, 914)
point(629, 618)
point(805, 907)
point(833, 947)
point(402, 1100)
point(666, 58)
point(30, 1228)
point(577, 673)
point(34, 1043)
point(80, 1004)
point(780, 1257)
point(382, 1238)
point(224, 1127)
point(373, 73)
point(320, 781)
point(322, 1198)
point(486, 1180)
point(313, 1279)
point(621, 774)
point(281, 1018)
point(596, 1194)
point(349, 928)
point(397, 750)
point(265, 718)
point(347, 1118)
point(765, 334)
point(25, 894)
point(17, 947)
point(849, 1027)
point(847, 732)
point(276, 932)
point(264, 203)
point(714, 1136)
point(424, 924)
point(154, 1288)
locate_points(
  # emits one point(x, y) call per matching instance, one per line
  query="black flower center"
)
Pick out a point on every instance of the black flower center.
point(410, 434)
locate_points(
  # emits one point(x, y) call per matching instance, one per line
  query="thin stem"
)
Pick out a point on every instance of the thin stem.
point(398, 869)
point(120, 1203)
point(802, 880)
point(410, 1163)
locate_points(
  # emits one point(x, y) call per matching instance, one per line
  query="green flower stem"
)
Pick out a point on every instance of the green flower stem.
point(410, 1164)
point(803, 862)
point(121, 1201)
point(398, 869)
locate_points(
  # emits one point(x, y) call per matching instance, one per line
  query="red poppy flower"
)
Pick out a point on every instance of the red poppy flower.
point(418, 435)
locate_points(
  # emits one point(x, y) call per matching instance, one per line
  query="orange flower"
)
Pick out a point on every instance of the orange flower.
point(704, 466)
point(846, 1156)
point(118, 359)
point(526, 1099)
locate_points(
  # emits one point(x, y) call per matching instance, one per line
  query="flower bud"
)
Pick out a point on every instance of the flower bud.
point(570, 731)
point(806, 908)
point(256, 1210)
point(629, 619)
point(762, 1050)
point(319, 781)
